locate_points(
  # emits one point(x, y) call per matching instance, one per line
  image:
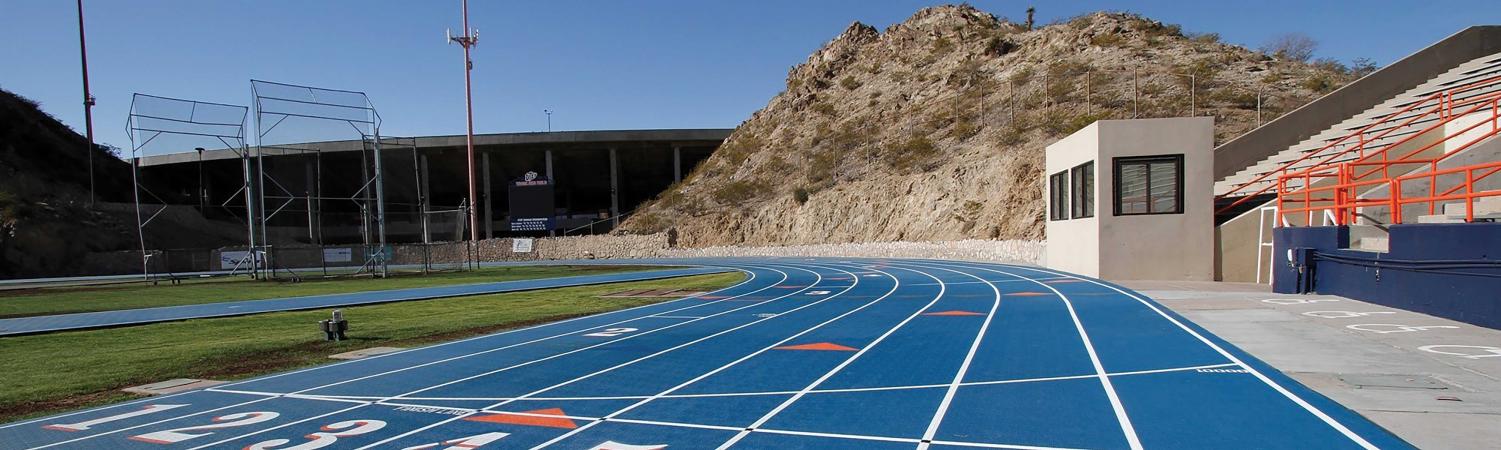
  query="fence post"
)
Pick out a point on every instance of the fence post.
point(1088, 105)
point(1258, 105)
point(1135, 92)
point(1193, 88)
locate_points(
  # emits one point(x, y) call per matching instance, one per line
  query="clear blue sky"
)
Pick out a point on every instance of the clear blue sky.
point(598, 64)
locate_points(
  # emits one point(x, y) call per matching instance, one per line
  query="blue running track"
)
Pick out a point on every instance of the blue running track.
point(827, 353)
point(59, 322)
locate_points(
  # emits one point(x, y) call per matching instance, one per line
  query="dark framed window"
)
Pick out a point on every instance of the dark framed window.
point(1149, 185)
point(1081, 179)
point(1058, 196)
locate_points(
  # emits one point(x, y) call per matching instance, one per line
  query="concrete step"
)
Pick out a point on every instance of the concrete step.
point(1441, 218)
point(1483, 206)
point(1467, 72)
point(1373, 244)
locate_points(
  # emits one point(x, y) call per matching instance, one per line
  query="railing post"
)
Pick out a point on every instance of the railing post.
point(1281, 189)
point(1396, 191)
point(1469, 195)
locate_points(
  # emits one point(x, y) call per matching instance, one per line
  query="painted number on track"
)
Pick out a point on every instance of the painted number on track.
point(468, 443)
point(1297, 301)
point(327, 435)
point(1384, 328)
point(612, 445)
point(1464, 351)
point(81, 426)
point(612, 332)
point(1343, 314)
point(176, 435)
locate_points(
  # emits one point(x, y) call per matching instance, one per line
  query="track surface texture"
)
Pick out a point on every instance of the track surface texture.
point(824, 353)
point(59, 322)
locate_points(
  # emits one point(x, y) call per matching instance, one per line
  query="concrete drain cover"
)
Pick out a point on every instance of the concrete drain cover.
point(172, 386)
point(366, 353)
point(1397, 382)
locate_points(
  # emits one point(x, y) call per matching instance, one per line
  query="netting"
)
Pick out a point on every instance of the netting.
point(319, 160)
point(220, 203)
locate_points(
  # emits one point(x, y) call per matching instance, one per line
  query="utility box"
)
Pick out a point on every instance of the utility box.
point(1133, 200)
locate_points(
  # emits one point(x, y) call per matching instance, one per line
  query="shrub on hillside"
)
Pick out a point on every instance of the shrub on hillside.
point(736, 192)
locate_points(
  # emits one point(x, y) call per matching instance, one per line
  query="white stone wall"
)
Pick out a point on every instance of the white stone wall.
point(1009, 251)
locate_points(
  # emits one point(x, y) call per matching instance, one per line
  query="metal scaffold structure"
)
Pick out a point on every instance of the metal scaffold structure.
point(177, 128)
point(305, 207)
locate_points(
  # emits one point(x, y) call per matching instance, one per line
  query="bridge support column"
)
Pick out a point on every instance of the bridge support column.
point(484, 195)
point(614, 189)
point(677, 164)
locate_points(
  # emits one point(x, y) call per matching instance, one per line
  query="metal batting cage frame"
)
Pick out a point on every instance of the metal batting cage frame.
point(169, 127)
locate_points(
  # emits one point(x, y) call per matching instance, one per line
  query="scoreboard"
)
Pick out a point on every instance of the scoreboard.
point(531, 203)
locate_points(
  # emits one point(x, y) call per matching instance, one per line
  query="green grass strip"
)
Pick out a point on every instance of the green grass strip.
point(50, 373)
point(47, 301)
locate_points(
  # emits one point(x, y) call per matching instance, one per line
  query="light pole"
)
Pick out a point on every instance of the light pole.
point(549, 119)
point(88, 102)
point(469, 39)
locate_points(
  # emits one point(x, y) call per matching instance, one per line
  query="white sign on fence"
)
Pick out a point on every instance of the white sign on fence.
point(338, 254)
point(230, 260)
point(521, 245)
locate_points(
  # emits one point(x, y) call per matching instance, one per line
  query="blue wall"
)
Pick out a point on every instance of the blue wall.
point(1446, 270)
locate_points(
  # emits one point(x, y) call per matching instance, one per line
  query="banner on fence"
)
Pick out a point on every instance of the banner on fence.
point(338, 254)
point(521, 246)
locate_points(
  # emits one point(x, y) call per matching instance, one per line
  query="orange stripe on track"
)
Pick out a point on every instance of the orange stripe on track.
point(820, 346)
point(954, 313)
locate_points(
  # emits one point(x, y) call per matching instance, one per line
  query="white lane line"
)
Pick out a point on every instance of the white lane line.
point(969, 358)
point(373, 358)
point(830, 374)
point(752, 276)
point(784, 278)
point(728, 394)
point(581, 349)
point(897, 283)
point(1115, 402)
point(818, 278)
point(1264, 379)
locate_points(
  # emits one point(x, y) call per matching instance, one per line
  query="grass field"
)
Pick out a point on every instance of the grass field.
point(48, 373)
point(45, 301)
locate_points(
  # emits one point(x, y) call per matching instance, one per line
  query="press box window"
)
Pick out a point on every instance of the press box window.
point(1058, 196)
point(1149, 185)
point(1082, 182)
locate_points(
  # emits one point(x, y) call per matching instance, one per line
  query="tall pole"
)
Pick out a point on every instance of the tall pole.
point(88, 102)
point(469, 39)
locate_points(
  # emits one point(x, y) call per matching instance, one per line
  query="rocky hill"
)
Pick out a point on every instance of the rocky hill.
point(935, 128)
point(45, 226)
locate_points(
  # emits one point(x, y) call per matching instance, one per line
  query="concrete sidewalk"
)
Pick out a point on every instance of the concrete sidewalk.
point(1434, 382)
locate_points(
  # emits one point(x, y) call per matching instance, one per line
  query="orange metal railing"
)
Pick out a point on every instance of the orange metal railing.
point(1337, 199)
point(1442, 104)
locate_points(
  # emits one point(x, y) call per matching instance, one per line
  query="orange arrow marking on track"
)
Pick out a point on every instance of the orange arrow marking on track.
point(531, 418)
point(954, 313)
point(822, 346)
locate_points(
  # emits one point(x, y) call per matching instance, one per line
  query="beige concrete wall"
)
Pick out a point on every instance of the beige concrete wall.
point(1164, 246)
point(1148, 247)
point(1236, 248)
point(1074, 245)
